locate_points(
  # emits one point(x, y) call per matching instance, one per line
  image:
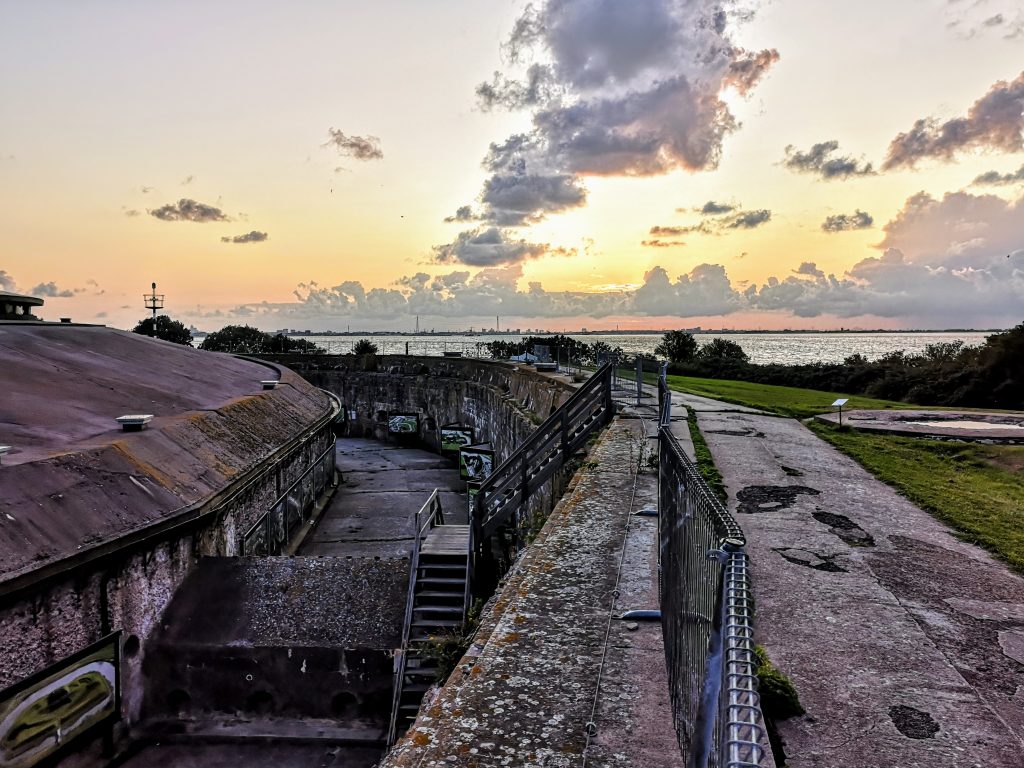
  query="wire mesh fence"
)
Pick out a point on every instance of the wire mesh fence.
point(707, 616)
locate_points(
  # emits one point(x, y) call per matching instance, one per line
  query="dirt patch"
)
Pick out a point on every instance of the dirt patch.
point(845, 529)
point(770, 498)
point(810, 559)
point(1007, 459)
point(913, 723)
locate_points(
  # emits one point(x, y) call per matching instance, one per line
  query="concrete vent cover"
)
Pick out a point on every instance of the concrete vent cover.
point(134, 422)
point(270, 384)
point(4, 449)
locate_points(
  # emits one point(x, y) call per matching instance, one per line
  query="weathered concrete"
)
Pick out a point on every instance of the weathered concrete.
point(992, 427)
point(871, 606)
point(374, 510)
point(549, 657)
point(256, 755)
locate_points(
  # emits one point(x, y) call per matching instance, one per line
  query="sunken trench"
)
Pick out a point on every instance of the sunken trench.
point(299, 649)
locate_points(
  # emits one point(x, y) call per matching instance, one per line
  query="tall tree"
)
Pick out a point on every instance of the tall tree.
point(166, 329)
point(677, 346)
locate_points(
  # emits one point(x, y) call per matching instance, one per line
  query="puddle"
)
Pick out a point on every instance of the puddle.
point(957, 424)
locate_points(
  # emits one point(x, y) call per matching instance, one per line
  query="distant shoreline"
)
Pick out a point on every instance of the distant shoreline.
point(695, 331)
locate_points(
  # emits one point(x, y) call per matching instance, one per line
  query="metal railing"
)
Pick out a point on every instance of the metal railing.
point(503, 496)
point(707, 615)
point(276, 527)
point(429, 515)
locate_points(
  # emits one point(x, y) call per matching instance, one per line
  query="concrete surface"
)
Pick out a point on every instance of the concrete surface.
point(994, 427)
point(253, 756)
point(374, 510)
point(888, 625)
point(549, 657)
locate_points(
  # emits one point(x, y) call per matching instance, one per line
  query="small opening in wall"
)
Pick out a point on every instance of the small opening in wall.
point(131, 646)
point(382, 416)
point(344, 705)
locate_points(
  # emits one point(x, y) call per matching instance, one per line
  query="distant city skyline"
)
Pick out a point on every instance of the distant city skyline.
point(650, 164)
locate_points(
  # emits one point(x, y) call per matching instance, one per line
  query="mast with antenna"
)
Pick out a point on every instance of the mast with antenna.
point(153, 301)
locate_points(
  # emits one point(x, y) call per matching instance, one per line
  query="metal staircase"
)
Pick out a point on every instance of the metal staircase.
point(436, 608)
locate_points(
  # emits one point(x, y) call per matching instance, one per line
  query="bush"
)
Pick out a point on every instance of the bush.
point(364, 347)
point(246, 340)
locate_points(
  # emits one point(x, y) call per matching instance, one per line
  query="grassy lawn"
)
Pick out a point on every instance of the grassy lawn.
point(786, 401)
point(977, 489)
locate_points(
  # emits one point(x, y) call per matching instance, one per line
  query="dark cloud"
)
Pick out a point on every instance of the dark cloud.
point(843, 222)
point(538, 87)
point(662, 243)
point(356, 147)
point(995, 121)
point(668, 231)
point(462, 213)
point(810, 269)
point(51, 290)
point(748, 219)
point(822, 161)
point(711, 208)
point(131, 212)
point(187, 180)
point(517, 199)
point(748, 67)
point(188, 210)
point(994, 178)
point(145, 190)
point(248, 237)
point(489, 247)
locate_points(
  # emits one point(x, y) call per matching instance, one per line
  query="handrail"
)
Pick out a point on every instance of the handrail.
point(587, 409)
point(432, 513)
point(707, 615)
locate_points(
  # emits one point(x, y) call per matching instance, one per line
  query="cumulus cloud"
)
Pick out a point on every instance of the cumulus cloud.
point(748, 219)
point(7, 282)
point(821, 160)
point(248, 237)
point(809, 268)
point(711, 208)
point(612, 89)
point(995, 178)
point(50, 290)
point(356, 147)
point(462, 213)
point(995, 121)
point(490, 246)
point(844, 222)
point(188, 210)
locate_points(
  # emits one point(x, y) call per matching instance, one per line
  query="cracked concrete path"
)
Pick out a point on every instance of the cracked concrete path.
point(373, 511)
point(903, 641)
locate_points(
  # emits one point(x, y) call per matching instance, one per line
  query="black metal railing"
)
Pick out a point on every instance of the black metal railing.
point(276, 527)
point(707, 615)
point(502, 498)
point(430, 514)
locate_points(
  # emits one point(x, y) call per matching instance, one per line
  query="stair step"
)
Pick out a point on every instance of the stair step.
point(437, 623)
point(439, 580)
point(437, 609)
point(453, 594)
point(415, 688)
point(443, 566)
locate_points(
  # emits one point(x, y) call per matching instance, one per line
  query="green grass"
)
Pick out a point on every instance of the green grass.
point(786, 401)
point(705, 461)
point(977, 489)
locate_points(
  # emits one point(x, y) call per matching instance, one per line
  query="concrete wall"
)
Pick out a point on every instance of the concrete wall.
point(504, 403)
point(129, 589)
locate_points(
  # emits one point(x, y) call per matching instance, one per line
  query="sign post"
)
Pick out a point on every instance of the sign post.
point(839, 404)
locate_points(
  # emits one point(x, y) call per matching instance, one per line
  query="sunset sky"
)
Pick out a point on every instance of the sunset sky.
point(641, 163)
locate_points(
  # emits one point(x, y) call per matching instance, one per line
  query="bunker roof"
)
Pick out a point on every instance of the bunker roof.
point(73, 479)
